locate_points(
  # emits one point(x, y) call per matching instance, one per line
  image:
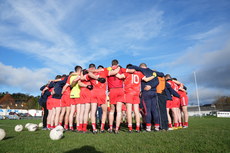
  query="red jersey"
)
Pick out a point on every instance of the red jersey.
point(173, 85)
point(86, 83)
point(50, 96)
point(181, 92)
point(132, 82)
point(67, 90)
point(101, 74)
point(114, 82)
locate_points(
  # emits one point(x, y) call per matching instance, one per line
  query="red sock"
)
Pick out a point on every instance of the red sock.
point(60, 123)
point(175, 124)
point(48, 126)
point(80, 127)
point(111, 126)
point(84, 128)
point(185, 123)
point(130, 127)
point(66, 126)
point(138, 127)
point(52, 127)
point(94, 126)
point(148, 124)
point(170, 125)
point(102, 126)
point(157, 125)
point(180, 124)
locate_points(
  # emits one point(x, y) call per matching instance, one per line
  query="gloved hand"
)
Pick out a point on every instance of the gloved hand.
point(154, 74)
point(102, 80)
point(90, 87)
point(85, 72)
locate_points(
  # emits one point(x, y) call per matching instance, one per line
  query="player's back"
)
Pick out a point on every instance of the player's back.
point(114, 82)
point(132, 81)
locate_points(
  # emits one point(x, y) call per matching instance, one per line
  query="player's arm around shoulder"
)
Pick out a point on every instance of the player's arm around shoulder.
point(64, 88)
point(177, 82)
point(160, 74)
point(113, 71)
point(81, 84)
point(120, 76)
point(130, 70)
point(147, 79)
point(75, 81)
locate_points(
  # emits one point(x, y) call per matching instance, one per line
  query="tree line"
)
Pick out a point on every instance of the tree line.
point(222, 103)
point(18, 101)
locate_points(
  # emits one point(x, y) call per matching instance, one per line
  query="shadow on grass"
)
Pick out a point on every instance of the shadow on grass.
point(83, 149)
point(8, 138)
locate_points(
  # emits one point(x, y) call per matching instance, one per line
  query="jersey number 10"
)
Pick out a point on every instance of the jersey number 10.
point(135, 79)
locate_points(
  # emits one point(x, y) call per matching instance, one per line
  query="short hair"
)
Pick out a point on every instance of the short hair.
point(143, 64)
point(58, 77)
point(63, 75)
point(185, 88)
point(100, 66)
point(168, 75)
point(84, 72)
point(115, 62)
point(70, 72)
point(77, 68)
point(92, 65)
point(174, 79)
point(128, 65)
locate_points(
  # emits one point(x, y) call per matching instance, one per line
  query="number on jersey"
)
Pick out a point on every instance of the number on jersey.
point(135, 79)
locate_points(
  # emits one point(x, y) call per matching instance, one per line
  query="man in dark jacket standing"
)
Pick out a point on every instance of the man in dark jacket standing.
point(42, 102)
point(149, 96)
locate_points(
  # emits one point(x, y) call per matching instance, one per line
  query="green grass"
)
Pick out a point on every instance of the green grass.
point(203, 135)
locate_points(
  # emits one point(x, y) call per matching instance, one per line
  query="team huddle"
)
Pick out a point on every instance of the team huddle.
point(158, 101)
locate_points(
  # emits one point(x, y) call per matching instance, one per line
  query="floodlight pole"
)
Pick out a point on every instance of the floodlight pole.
point(197, 94)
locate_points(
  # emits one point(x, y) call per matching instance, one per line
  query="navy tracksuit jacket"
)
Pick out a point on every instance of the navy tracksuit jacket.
point(149, 98)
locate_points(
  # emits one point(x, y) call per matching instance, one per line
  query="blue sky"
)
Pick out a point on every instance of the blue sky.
point(39, 39)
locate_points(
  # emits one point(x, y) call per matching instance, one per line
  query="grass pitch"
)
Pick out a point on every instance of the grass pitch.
point(203, 135)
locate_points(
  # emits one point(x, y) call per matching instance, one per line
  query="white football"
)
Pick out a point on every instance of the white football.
point(40, 125)
point(2, 134)
point(56, 135)
point(59, 128)
point(18, 128)
point(32, 127)
point(27, 125)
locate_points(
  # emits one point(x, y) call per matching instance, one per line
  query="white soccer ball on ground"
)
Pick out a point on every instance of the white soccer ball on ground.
point(40, 125)
point(18, 128)
point(56, 135)
point(32, 127)
point(59, 128)
point(27, 125)
point(2, 134)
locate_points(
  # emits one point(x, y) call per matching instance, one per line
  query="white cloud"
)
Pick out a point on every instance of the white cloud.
point(162, 57)
point(211, 49)
point(128, 32)
point(23, 78)
point(36, 28)
point(209, 57)
point(207, 34)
